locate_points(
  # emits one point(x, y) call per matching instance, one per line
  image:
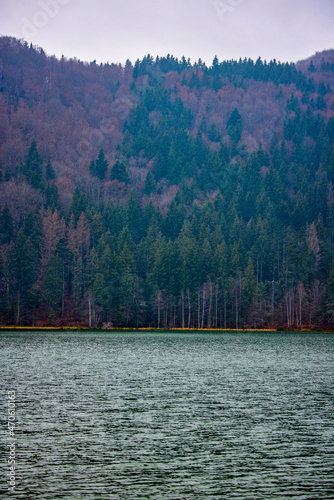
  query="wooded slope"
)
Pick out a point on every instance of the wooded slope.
point(166, 193)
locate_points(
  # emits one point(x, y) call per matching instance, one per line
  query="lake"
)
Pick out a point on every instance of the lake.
point(169, 415)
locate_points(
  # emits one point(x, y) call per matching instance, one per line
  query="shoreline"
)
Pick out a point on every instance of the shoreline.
point(121, 329)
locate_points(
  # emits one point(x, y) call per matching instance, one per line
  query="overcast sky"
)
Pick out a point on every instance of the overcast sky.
point(116, 30)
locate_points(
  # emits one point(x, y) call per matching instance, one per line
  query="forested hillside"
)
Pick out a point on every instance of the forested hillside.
point(166, 193)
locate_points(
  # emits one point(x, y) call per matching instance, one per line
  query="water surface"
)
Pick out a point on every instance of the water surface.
point(171, 416)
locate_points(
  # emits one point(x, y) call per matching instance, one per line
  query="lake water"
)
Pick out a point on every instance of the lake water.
point(169, 415)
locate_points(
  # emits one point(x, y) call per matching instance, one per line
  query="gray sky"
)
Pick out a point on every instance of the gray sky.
point(114, 30)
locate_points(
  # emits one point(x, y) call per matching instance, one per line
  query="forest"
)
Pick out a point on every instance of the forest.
point(165, 193)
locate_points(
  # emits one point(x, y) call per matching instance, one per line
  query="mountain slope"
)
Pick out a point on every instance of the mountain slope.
point(166, 193)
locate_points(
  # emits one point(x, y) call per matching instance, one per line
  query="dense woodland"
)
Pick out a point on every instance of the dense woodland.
point(165, 193)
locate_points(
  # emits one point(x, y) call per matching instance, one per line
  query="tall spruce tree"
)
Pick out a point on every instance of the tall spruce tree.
point(32, 167)
point(99, 167)
point(119, 172)
point(234, 126)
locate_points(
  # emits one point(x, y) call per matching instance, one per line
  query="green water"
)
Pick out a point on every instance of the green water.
point(170, 415)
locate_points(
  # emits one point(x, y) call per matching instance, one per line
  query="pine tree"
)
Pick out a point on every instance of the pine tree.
point(136, 217)
point(173, 221)
point(92, 167)
point(21, 266)
point(119, 172)
point(49, 172)
point(149, 184)
point(6, 225)
point(329, 298)
point(32, 167)
point(80, 203)
point(312, 68)
point(53, 283)
point(101, 165)
point(249, 284)
point(52, 197)
point(234, 126)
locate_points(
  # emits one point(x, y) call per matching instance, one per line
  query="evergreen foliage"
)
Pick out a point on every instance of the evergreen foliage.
point(32, 167)
point(226, 223)
point(99, 167)
point(119, 172)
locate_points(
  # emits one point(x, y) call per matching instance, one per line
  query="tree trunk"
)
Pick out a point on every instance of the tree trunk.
point(63, 295)
point(166, 314)
point(182, 301)
point(225, 322)
point(203, 308)
point(18, 312)
point(199, 309)
point(89, 298)
point(189, 308)
point(272, 302)
point(210, 304)
point(216, 311)
point(159, 304)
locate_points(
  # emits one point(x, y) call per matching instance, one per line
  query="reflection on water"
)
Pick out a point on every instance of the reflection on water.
point(171, 416)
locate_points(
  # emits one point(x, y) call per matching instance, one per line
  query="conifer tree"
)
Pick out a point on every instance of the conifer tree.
point(329, 298)
point(149, 184)
point(21, 265)
point(32, 167)
point(248, 283)
point(6, 225)
point(119, 172)
point(49, 172)
point(99, 167)
point(234, 126)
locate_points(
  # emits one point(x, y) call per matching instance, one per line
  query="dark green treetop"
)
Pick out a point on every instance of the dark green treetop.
point(119, 172)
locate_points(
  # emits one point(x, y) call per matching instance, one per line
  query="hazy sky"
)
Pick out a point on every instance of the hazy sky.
point(114, 30)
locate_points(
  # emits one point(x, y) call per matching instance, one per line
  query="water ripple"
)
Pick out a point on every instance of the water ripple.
point(172, 416)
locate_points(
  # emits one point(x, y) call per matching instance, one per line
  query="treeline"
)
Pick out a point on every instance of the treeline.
point(200, 75)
